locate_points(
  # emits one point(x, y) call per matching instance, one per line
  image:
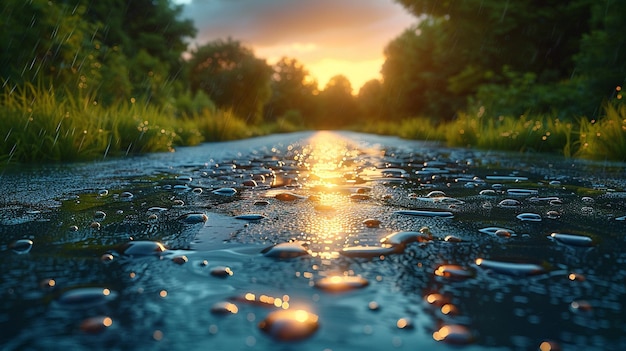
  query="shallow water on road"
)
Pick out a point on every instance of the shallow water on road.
point(315, 241)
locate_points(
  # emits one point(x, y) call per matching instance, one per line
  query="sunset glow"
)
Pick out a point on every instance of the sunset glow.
point(328, 37)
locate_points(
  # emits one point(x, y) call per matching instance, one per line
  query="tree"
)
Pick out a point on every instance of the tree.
point(371, 101)
point(601, 62)
point(232, 77)
point(293, 89)
point(338, 107)
point(460, 46)
point(151, 37)
point(43, 41)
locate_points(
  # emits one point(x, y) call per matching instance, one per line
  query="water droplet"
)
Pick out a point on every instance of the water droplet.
point(436, 193)
point(436, 299)
point(510, 268)
point(250, 183)
point(405, 237)
point(454, 334)
point(405, 323)
point(251, 217)
point(224, 308)
point(106, 258)
point(95, 325)
point(178, 203)
point(522, 192)
point(340, 283)
point(452, 239)
point(221, 271)
point(197, 191)
point(509, 203)
point(261, 203)
point(180, 259)
point(487, 192)
point(576, 277)
point(103, 192)
point(193, 218)
point(571, 239)
point(453, 271)
point(373, 306)
point(587, 199)
point(142, 248)
point(425, 213)
point(529, 217)
point(99, 215)
point(73, 228)
point(225, 191)
point(289, 197)
point(286, 250)
point(371, 223)
point(22, 246)
point(369, 251)
point(553, 215)
point(580, 306)
point(497, 231)
point(549, 346)
point(157, 209)
point(86, 297)
point(290, 325)
point(48, 284)
point(126, 195)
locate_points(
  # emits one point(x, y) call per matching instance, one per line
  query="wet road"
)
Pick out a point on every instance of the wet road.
point(315, 241)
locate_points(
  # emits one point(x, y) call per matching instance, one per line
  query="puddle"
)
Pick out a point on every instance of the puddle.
point(314, 241)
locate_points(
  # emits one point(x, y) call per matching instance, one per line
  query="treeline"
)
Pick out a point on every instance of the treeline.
point(486, 60)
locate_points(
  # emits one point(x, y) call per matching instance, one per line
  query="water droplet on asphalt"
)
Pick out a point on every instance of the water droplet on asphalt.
point(529, 217)
point(224, 308)
point(290, 325)
point(250, 217)
point(286, 250)
point(193, 218)
point(510, 268)
point(86, 297)
point(571, 239)
point(221, 271)
point(142, 248)
point(369, 251)
point(340, 283)
point(453, 271)
point(454, 334)
point(95, 325)
point(371, 223)
point(225, 191)
point(21, 246)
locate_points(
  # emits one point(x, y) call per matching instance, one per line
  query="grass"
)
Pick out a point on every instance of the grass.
point(606, 137)
point(602, 139)
point(37, 125)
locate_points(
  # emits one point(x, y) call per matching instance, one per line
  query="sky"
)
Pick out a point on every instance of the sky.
point(329, 37)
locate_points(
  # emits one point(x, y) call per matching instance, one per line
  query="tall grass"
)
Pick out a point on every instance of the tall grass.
point(606, 137)
point(39, 125)
point(525, 134)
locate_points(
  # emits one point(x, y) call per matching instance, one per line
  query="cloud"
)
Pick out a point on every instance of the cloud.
point(333, 23)
point(340, 31)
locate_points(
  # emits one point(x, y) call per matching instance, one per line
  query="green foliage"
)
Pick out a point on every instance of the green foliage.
point(537, 134)
point(338, 107)
point(232, 77)
point(293, 89)
point(515, 55)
